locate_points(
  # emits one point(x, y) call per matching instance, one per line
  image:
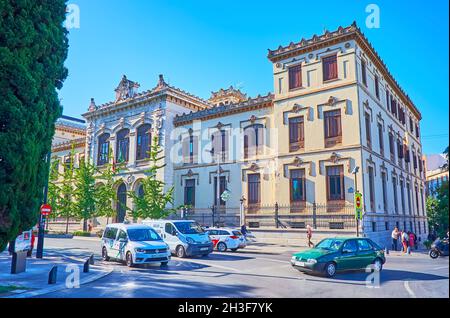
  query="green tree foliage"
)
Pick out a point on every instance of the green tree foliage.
point(85, 192)
point(106, 192)
point(54, 190)
point(154, 200)
point(33, 48)
point(437, 209)
point(67, 205)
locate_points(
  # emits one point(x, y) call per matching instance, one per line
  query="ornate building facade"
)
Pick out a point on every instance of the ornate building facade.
point(336, 122)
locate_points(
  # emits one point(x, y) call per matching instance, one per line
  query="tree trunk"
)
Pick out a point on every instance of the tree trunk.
point(67, 224)
point(107, 220)
point(84, 225)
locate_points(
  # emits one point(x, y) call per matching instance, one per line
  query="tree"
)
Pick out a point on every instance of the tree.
point(85, 192)
point(54, 189)
point(67, 205)
point(106, 193)
point(152, 203)
point(33, 48)
point(437, 209)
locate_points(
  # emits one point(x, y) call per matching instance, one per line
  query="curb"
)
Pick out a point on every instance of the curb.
point(44, 291)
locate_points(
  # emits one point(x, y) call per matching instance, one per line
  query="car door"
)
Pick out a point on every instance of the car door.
point(366, 253)
point(169, 238)
point(110, 240)
point(120, 245)
point(349, 258)
point(213, 236)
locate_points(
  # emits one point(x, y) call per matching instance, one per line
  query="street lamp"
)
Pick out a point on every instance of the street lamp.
point(216, 206)
point(354, 172)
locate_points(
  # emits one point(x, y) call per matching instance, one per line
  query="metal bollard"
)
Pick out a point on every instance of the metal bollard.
point(86, 266)
point(386, 251)
point(52, 275)
point(91, 259)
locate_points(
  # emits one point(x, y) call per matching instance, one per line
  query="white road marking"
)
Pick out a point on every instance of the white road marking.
point(409, 290)
point(443, 267)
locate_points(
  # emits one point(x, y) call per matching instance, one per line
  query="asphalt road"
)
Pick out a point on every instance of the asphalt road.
point(259, 271)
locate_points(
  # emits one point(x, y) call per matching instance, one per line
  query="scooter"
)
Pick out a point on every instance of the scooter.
point(439, 248)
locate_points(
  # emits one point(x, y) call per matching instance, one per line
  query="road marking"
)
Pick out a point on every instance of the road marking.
point(443, 267)
point(409, 290)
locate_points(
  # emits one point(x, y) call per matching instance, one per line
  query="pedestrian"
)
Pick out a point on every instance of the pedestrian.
point(309, 235)
point(90, 226)
point(244, 230)
point(415, 240)
point(405, 239)
point(410, 242)
point(394, 235)
point(33, 238)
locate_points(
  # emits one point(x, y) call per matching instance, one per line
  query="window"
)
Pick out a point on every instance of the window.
point(297, 188)
point(169, 228)
point(190, 144)
point(417, 200)
point(377, 87)
point(335, 183)
point(421, 201)
point(368, 133)
point(140, 191)
point(122, 235)
point(253, 140)
point(254, 190)
point(329, 67)
point(392, 146)
point(394, 188)
point(189, 192)
point(296, 133)
point(387, 99)
point(414, 160)
point(103, 149)
point(380, 138)
point(68, 163)
point(295, 77)
point(364, 72)
point(223, 186)
point(411, 125)
point(417, 131)
point(399, 151)
point(111, 233)
point(393, 106)
point(143, 142)
point(350, 246)
point(364, 245)
point(402, 196)
point(371, 189)
point(123, 145)
point(384, 183)
point(219, 143)
point(333, 128)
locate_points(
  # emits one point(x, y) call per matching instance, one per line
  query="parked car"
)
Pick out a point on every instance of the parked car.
point(339, 254)
point(225, 238)
point(184, 237)
point(135, 244)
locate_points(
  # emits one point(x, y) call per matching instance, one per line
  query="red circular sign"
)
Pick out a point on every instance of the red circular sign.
point(358, 202)
point(46, 209)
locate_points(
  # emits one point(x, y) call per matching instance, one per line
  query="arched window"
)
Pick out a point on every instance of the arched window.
point(123, 145)
point(143, 141)
point(140, 191)
point(103, 149)
point(253, 140)
point(121, 207)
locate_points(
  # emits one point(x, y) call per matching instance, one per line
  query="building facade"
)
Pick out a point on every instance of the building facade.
point(336, 122)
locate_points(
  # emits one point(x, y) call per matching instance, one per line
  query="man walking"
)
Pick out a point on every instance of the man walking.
point(394, 235)
point(309, 236)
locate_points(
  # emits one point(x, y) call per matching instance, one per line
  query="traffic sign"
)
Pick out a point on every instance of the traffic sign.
point(225, 195)
point(46, 209)
point(358, 205)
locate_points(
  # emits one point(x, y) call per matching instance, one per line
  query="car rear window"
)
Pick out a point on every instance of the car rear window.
point(237, 233)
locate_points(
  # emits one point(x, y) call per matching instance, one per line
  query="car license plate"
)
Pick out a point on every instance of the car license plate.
point(302, 264)
point(203, 249)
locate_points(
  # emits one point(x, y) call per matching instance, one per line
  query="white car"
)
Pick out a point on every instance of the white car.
point(225, 238)
point(134, 244)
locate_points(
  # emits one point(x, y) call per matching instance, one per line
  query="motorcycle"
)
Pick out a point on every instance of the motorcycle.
point(439, 248)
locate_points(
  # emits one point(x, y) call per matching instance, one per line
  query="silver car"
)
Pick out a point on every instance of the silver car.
point(135, 244)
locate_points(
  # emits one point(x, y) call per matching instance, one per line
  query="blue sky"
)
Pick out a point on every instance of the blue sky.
point(201, 46)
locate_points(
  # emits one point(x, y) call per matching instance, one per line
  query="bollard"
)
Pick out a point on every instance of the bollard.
point(91, 259)
point(52, 275)
point(86, 266)
point(386, 251)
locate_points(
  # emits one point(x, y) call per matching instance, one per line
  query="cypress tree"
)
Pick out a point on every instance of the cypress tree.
point(33, 48)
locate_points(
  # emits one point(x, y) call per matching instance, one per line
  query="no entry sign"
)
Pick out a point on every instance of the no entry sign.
point(46, 209)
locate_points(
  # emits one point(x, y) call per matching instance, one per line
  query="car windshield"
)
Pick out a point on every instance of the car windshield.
point(189, 227)
point(330, 244)
point(143, 235)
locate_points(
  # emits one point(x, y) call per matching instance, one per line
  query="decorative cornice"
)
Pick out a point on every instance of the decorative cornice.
point(67, 145)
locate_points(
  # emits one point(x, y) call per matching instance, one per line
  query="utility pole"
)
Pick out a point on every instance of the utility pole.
point(40, 243)
point(355, 171)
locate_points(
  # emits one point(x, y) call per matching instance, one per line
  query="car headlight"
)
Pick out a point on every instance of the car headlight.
point(293, 259)
point(312, 261)
point(190, 240)
point(139, 250)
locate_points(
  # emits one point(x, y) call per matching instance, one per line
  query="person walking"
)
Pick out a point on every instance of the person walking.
point(411, 242)
point(309, 235)
point(394, 235)
point(244, 231)
point(405, 239)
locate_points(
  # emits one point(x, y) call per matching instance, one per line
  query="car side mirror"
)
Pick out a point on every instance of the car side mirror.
point(174, 233)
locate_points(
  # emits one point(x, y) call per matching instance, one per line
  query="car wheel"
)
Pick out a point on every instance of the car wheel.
point(129, 260)
point(434, 254)
point(330, 269)
point(181, 253)
point(221, 247)
point(378, 265)
point(233, 249)
point(105, 256)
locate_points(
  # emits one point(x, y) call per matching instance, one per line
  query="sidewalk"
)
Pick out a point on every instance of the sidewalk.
point(34, 281)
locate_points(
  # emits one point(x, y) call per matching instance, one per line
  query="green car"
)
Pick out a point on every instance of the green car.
point(339, 254)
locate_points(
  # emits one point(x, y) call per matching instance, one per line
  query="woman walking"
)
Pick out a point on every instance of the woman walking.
point(309, 235)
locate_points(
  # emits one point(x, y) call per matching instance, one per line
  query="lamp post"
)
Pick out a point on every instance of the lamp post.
point(354, 172)
point(216, 205)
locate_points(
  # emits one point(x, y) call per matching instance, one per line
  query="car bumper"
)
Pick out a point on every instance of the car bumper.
point(308, 267)
point(199, 249)
point(142, 258)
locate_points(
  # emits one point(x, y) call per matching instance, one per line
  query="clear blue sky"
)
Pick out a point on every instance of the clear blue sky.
point(201, 46)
